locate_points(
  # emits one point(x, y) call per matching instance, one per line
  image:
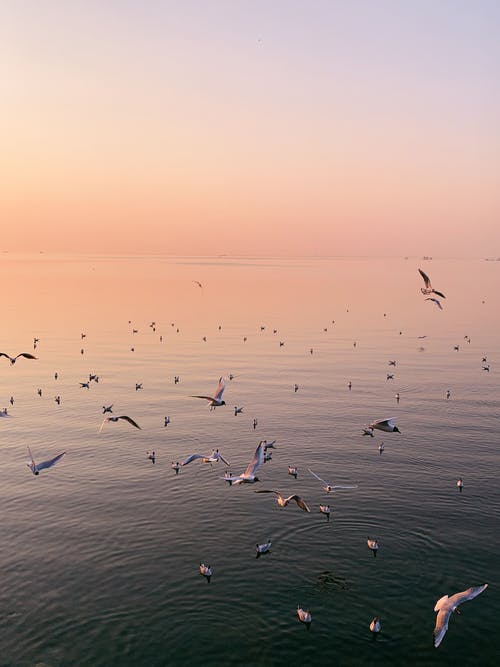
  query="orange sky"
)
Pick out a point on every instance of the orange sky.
point(250, 128)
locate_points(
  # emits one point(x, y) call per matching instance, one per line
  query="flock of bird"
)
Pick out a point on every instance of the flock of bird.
point(444, 607)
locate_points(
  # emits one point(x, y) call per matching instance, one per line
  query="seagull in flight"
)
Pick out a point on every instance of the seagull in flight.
point(12, 360)
point(330, 488)
point(212, 458)
point(115, 419)
point(283, 502)
point(385, 425)
point(216, 400)
point(446, 605)
point(36, 467)
point(249, 476)
point(428, 289)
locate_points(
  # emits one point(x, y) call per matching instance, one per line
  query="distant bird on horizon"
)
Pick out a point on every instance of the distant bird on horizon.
point(445, 606)
point(216, 400)
point(36, 467)
point(12, 360)
point(115, 419)
point(428, 289)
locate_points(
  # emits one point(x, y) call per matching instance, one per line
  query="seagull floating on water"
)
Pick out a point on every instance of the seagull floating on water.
point(325, 509)
point(263, 548)
point(330, 488)
point(115, 419)
point(12, 360)
point(283, 502)
point(375, 625)
point(206, 571)
point(293, 471)
point(460, 484)
point(446, 605)
point(216, 400)
point(373, 545)
point(304, 616)
point(36, 467)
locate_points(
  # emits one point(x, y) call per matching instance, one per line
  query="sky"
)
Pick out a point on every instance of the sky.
point(250, 127)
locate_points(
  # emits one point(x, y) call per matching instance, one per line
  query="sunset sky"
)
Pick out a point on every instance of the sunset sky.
point(250, 127)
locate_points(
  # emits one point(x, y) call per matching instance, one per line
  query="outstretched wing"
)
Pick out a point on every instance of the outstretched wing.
point(258, 460)
point(32, 464)
point(317, 477)
point(442, 620)
point(439, 294)
point(27, 355)
point(469, 594)
point(223, 459)
point(220, 389)
point(382, 423)
point(50, 462)
point(193, 457)
point(299, 502)
point(207, 398)
point(438, 303)
point(426, 279)
point(129, 420)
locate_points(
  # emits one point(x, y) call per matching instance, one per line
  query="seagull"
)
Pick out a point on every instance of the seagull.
point(381, 447)
point(283, 502)
point(115, 419)
point(268, 445)
point(107, 408)
point(460, 484)
point(249, 476)
point(216, 400)
point(428, 287)
point(325, 509)
point(304, 616)
point(446, 605)
point(212, 458)
point(176, 466)
point(438, 303)
point(385, 425)
point(206, 571)
point(151, 456)
point(138, 385)
point(237, 410)
point(373, 545)
point(198, 283)
point(36, 467)
point(85, 385)
point(375, 625)
point(263, 548)
point(12, 360)
point(4, 413)
point(329, 488)
point(293, 471)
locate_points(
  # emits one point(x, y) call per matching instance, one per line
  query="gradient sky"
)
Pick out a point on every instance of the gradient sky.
point(250, 127)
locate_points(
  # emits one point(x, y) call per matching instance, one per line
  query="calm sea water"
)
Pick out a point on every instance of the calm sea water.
point(100, 553)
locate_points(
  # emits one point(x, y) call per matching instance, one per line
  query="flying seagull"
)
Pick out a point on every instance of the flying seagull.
point(216, 400)
point(212, 458)
point(115, 419)
point(12, 360)
point(446, 605)
point(249, 476)
point(428, 287)
point(329, 488)
point(36, 467)
point(385, 425)
point(283, 502)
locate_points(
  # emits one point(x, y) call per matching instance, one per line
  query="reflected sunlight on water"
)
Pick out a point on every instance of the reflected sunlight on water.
point(101, 552)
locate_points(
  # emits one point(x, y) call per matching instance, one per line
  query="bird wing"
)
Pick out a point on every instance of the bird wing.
point(269, 491)
point(426, 279)
point(299, 502)
point(50, 462)
point(32, 464)
point(439, 294)
point(438, 304)
point(317, 477)
point(27, 355)
point(469, 594)
point(382, 422)
point(341, 486)
point(103, 422)
point(192, 457)
point(129, 420)
point(258, 460)
point(441, 625)
point(4, 354)
point(207, 398)
point(220, 389)
point(223, 460)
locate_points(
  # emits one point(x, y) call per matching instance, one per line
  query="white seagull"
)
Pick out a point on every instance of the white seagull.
point(12, 360)
point(212, 458)
point(216, 400)
point(330, 488)
point(263, 548)
point(373, 545)
point(115, 419)
point(428, 287)
point(283, 502)
point(249, 476)
point(385, 425)
point(206, 571)
point(36, 467)
point(446, 605)
point(375, 625)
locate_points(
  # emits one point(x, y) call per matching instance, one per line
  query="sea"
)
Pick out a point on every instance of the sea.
point(100, 553)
